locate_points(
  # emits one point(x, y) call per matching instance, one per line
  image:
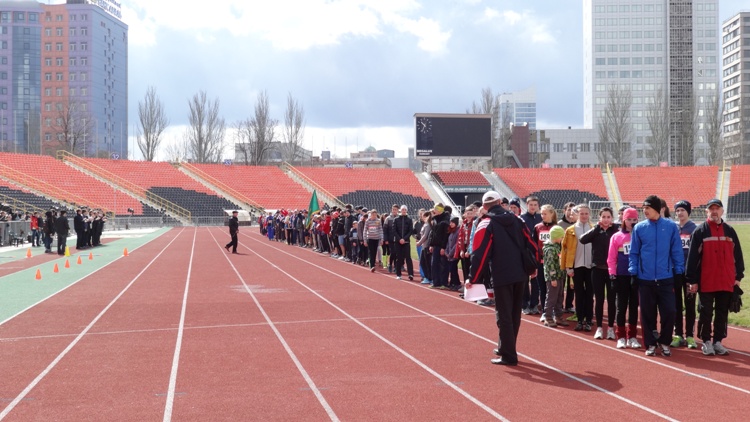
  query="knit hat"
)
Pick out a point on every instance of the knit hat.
point(556, 232)
point(516, 202)
point(653, 202)
point(630, 213)
point(684, 205)
point(455, 221)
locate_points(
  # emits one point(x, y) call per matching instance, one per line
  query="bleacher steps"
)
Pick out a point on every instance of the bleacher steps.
point(613, 191)
point(723, 194)
point(21, 186)
point(220, 192)
point(503, 189)
point(133, 195)
point(322, 194)
point(436, 192)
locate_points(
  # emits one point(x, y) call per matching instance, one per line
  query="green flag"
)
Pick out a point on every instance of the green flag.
point(313, 209)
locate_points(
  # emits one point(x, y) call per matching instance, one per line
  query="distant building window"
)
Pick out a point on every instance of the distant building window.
point(4, 60)
point(47, 92)
point(84, 17)
point(26, 106)
point(48, 61)
point(4, 45)
point(33, 17)
point(58, 46)
point(72, 77)
point(20, 16)
point(84, 31)
point(72, 61)
point(59, 76)
point(58, 18)
point(3, 75)
point(84, 46)
point(72, 32)
point(47, 76)
point(59, 61)
point(84, 61)
point(59, 32)
point(47, 47)
point(83, 76)
point(72, 46)
point(5, 16)
point(58, 91)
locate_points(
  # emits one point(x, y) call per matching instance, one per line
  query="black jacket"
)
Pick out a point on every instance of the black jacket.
point(599, 240)
point(78, 225)
point(388, 228)
point(341, 225)
point(402, 228)
point(234, 225)
point(417, 228)
point(49, 223)
point(531, 220)
point(62, 227)
point(497, 250)
point(440, 231)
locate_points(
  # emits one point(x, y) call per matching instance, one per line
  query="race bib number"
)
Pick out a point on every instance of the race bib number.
point(685, 241)
point(544, 236)
point(626, 248)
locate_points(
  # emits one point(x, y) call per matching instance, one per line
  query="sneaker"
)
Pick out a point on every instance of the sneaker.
point(570, 310)
point(587, 327)
point(579, 327)
point(665, 350)
point(675, 341)
point(542, 319)
point(534, 311)
point(633, 343)
point(526, 311)
point(651, 351)
point(425, 281)
point(708, 348)
point(487, 302)
point(411, 278)
point(720, 349)
point(599, 334)
point(562, 322)
point(398, 277)
point(372, 270)
point(691, 344)
point(550, 324)
point(621, 343)
point(611, 333)
point(342, 258)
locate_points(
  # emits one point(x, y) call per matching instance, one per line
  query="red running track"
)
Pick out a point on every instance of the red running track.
point(183, 330)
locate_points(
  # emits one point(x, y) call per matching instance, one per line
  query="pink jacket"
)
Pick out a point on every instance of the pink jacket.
point(617, 257)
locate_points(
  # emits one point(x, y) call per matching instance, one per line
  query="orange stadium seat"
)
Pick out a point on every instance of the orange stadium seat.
point(372, 187)
point(68, 179)
point(269, 186)
point(695, 184)
point(460, 178)
point(739, 192)
point(556, 186)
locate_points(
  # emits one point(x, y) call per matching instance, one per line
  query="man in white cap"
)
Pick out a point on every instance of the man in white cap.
point(496, 247)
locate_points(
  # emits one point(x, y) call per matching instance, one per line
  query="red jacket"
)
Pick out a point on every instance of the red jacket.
point(541, 235)
point(325, 225)
point(715, 258)
point(34, 222)
point(464, 233)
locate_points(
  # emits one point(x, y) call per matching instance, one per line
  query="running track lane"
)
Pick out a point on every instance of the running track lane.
point(121, 357)
point(425, 338)
point(605, 376)
point(32, 339)
point(361, 375)
point(232, 366)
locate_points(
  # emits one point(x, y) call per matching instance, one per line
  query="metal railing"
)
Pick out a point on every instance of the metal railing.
point(222, 186)
point(124, 184)
point(18, 205)
point(320, 189)
point(49, 190)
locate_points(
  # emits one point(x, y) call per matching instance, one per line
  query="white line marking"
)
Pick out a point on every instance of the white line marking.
point(169, 405)
point(78, 338)
point(76, 282)
point(386, 341)
point(538, 362)
point(314, 388)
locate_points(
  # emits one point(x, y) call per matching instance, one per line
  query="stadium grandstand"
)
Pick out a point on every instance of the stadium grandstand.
point(556, 186)
point(694, 184)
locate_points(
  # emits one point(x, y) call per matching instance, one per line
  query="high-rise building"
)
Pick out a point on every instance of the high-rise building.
point(652, 49)
point(64, 77)
point(519, 107)
point(736, 88)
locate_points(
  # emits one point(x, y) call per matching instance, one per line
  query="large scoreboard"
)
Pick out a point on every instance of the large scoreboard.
point(453, 135)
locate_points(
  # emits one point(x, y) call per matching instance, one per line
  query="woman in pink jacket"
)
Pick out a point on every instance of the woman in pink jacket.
point(625, 289)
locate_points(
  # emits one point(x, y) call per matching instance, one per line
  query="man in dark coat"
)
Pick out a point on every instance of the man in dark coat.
point(78, 227)
point(402, 229)
point(62, 228)
point(497, 239)
point(234, 228)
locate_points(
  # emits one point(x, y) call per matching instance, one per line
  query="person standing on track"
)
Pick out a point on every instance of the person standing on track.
point(715, 267)
point(234, 228)
point(498, 240)
point(569, 218)
point(626, 291)
point(682, 210)
point(401, 229)
point(655, 256)
point(555, 278)
point(540, 234)
point(62, 228)
point(373, 236)
point(577, 260)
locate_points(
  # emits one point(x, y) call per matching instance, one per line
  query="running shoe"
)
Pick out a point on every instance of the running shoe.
point(587, 327)
point(611, 333)
point(579, 326)
point(665, 350)
point(425, 281)
point(621, 343)
point(550, 324)
point(633, 343)
point(708, 348)
point(599, 334)
point(398, 277)
point(720, 349)
point(562, 322)
point(651, 351)
point(691, 344)
point(678, 341)
point(526, 311)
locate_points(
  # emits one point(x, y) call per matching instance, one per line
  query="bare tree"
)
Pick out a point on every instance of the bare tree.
point(294, 130)
point(684, 133)
point(73, 124)
point(242, 137)
point(178, 150)
point(657, 115)
point(153, 120)
point(205, 134)
point(714, 153)
point(259, 132)
point(489, 103)
point(615, 130)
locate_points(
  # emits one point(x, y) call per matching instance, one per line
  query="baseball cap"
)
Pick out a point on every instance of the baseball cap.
point(715, 202)
point(490, 196)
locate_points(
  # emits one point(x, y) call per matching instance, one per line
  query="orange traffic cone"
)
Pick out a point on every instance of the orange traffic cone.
point(55, 269)
point(38, 274)
point(125, 252)
point(91, 256)
point(79, 260)
point(67, 264)
point(28, 253)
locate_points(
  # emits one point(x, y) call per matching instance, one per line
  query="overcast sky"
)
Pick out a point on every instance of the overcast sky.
point(360, 68)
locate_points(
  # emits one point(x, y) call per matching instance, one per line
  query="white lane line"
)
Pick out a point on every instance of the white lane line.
point(76, 282)
point(471, 333)
point(314, 388)
point(78, 338)
point(386, 341)
point(169, 405)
